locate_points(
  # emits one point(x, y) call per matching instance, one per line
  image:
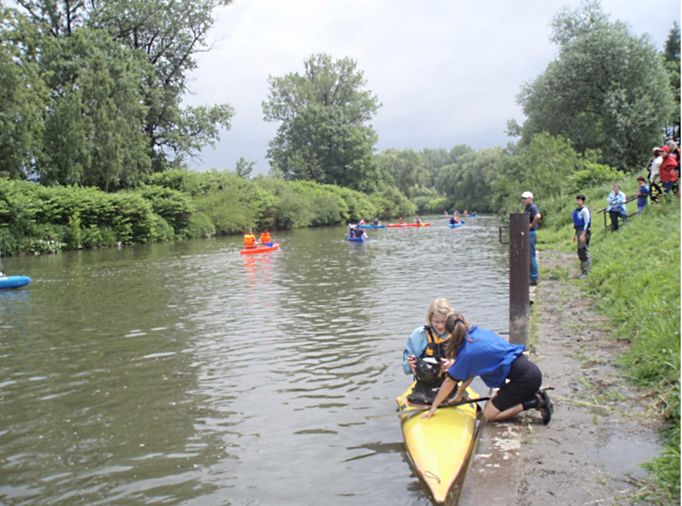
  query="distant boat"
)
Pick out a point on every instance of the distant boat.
point(263, 248)
point(401, 225)
point(14, 281)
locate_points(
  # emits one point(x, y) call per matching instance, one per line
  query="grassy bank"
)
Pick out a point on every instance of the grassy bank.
point(635, 280)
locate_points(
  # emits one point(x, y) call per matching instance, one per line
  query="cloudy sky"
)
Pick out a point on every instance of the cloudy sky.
point(446, 72)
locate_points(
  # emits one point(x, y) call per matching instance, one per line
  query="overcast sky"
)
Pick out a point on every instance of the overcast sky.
point(446, 72)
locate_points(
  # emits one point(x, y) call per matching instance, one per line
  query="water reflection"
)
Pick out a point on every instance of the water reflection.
point(191, 373)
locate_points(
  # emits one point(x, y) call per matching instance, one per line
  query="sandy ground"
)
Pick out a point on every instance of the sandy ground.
point(602, 430)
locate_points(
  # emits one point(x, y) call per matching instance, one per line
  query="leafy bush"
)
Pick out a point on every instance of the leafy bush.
point(200, 225)
point(174, 206)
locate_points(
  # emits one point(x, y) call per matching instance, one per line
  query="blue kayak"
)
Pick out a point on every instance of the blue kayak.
point(371, 226)
point(455, 225)
point(355, 239)
point(14, 281)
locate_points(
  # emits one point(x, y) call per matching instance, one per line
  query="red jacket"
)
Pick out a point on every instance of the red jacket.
point(668, 173)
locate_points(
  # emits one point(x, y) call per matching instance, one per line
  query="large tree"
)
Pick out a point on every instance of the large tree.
point(671, 56)
point(607, 90)
point(151, 48)
point(323, 135)
point(93, 132)
point(23, 97)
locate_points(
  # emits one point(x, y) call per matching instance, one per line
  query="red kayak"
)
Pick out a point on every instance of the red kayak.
point(401, 225)
point(260, 249)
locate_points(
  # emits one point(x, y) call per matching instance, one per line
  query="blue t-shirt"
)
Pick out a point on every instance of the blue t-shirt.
point(485, 354)
point(642, 199)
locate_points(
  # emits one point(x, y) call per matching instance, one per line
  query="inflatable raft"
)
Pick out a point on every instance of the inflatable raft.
point(14, 281)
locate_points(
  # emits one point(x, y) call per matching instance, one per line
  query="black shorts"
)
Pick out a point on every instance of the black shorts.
point(524, 378)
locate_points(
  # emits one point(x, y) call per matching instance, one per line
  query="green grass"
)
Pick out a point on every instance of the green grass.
point(636, 280)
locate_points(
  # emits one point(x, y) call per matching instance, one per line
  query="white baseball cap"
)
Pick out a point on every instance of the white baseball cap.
point(526, 195)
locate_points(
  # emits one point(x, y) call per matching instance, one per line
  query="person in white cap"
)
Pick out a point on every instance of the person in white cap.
point(535, 217)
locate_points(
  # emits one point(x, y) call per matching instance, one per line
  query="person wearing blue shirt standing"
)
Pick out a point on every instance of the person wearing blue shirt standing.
point(535, 217)
point(616, 207)
point(582, 223)
point(472, 351)
point(642, 195)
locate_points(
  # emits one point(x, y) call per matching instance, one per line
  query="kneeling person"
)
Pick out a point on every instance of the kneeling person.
point(480, 352)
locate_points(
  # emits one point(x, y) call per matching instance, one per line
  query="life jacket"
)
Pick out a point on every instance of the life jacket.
point(578, 221)
point(435, 345)
point(249, 241)
point(667, 171)
point(265, 237)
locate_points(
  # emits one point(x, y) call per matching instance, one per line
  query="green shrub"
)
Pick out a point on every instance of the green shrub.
point(161, 230)
point(200, 225)
point(174, 206)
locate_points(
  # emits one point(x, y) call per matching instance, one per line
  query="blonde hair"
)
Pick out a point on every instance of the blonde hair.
point(440, 307)
point(458, 328)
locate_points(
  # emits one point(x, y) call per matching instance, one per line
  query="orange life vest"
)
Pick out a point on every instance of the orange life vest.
point(249, 241)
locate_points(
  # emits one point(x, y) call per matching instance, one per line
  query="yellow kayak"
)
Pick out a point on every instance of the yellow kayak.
point(440, 446)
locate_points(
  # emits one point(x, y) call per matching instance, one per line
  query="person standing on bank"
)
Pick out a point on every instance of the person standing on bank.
point(535, 217)
point(582, 222)
point(473, 351)
point(616, 207)
point(642, 195)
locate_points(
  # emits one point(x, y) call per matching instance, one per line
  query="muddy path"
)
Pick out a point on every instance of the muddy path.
point(602, 430)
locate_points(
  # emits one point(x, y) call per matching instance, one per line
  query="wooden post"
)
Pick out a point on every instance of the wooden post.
point(519, 277)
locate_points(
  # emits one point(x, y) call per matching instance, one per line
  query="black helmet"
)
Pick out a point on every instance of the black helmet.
point(427, 370)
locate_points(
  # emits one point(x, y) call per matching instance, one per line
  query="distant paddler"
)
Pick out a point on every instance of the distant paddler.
point(265, 239)
point(249, 241)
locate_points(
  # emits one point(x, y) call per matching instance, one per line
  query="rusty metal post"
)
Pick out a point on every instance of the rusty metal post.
point(519, 278)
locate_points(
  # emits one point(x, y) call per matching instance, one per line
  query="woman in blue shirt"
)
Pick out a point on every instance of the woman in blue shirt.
point(472, 351)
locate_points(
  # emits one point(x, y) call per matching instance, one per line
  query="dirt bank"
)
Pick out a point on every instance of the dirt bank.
point(602, 430)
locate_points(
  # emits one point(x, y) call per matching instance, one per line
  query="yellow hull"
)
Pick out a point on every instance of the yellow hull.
point(438, 447)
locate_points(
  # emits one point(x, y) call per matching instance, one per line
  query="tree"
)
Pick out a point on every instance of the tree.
point(671, 55)
point(607, 89)
point(467, 181)
point(323, 135)
point(169, 33)
point(23, 97)
point(93, 133)
point(244, 167)
point(163, 36)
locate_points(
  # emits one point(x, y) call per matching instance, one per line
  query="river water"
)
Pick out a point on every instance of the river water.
point(187, 373)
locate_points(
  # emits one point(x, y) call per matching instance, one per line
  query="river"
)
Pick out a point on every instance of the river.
point(187, 373)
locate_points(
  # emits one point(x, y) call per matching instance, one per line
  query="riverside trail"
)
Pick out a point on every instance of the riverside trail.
point(603, 428)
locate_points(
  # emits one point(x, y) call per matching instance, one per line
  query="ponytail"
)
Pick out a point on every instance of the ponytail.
point(458, 328)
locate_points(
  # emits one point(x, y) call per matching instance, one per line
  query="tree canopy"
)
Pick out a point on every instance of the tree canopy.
point(97, 88)
point(607, 89)
point(323, 135)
